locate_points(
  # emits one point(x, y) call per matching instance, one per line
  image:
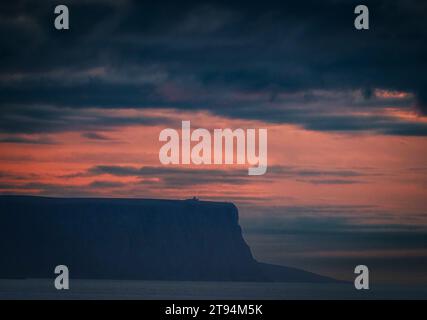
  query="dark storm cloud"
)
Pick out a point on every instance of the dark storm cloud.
point(277, 170)
point(44, 119)
point(14, 176)
point(291, 171)
point(176, 177)
point(237, 59)
point(54, 189)
point(95, 136)
point(25, 140)
point(331, 181)
point(106, 184)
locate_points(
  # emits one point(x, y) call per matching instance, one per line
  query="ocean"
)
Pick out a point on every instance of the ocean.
point(156, 290)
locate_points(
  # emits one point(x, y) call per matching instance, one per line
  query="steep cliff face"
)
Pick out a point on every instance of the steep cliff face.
point(127, 239)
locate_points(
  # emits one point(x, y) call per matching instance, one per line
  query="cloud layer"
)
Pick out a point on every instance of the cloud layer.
point(298, 62)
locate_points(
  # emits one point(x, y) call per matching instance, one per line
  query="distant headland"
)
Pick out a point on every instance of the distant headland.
point(141, 239)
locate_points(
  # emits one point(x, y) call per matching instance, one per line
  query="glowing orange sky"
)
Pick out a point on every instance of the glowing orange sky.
point(305, 167)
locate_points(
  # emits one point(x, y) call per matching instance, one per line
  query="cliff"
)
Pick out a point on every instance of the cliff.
point(130, 239)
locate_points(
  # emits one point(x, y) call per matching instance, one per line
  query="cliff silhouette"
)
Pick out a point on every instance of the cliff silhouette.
point(142, 239)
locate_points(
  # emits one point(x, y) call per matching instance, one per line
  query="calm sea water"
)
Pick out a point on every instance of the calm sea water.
point(107, 289)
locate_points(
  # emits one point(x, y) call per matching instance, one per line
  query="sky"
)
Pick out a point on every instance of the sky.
point(346, 112)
